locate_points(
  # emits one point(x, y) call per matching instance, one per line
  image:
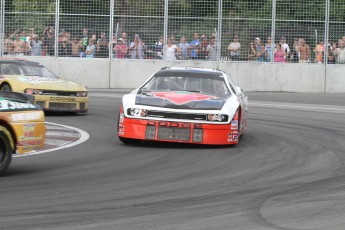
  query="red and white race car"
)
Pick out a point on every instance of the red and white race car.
point(188, 105)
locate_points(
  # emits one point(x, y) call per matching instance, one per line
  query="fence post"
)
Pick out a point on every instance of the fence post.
point(273, 29)
point(219, 32)
point(2, 27)
point(57, 27)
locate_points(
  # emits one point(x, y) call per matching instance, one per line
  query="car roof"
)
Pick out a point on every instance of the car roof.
point(20, 62)
point(189, 72)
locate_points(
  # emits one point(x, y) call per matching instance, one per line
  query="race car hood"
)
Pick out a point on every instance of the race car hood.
point(180, 100)
point(46, 83)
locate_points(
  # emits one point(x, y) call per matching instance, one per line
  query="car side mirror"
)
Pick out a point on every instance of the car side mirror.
point(239, 90)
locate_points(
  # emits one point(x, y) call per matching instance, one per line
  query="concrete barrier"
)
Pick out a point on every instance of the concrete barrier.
point(251, 76)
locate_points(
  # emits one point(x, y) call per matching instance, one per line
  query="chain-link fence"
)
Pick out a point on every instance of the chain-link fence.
point(290, 31)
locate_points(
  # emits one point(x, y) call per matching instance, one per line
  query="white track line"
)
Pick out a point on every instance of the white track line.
point(295, 106)
point(84, 137)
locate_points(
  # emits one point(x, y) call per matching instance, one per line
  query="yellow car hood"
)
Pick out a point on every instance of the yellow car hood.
point(46, 83)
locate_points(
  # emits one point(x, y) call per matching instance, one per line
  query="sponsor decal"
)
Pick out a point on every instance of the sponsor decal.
point(62, 99)
point(174, 124)
point(235, 136)
point(180, 98)
point(234, 125)
point(11, 105)
point(121, 130)
point(26, 116)
point(122, 118)
point(38, 79)
point(229, 137)
point(29, 141)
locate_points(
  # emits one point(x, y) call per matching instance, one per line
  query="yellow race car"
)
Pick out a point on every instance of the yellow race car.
point(50, 92)
point(22, 127)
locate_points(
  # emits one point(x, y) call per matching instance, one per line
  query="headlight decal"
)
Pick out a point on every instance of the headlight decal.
point(135, 112)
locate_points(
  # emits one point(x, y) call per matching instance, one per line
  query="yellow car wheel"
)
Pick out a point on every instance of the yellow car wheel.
point(6, 149)
point(6, 87)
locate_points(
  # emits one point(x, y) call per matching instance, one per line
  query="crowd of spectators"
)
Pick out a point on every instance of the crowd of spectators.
point(86, 45)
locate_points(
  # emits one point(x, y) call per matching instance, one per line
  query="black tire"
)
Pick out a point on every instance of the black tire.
point(6, 87)
point(129, 141)
point(6, 149)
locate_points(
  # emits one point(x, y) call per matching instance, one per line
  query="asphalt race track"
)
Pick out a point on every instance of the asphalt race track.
point(287, 173)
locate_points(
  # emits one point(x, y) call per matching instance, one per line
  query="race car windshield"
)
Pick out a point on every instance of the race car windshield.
point(37, 71)
point(213, 86)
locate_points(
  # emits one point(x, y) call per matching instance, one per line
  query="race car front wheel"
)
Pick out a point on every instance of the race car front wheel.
point(6, 87)
point(6, 149)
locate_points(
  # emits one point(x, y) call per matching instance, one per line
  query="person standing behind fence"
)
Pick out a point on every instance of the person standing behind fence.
point(19, 46)
point(194, 47)
point(262, 54)
point(319, 52)
point(252, 52)
point(85, 38)
point(120, 49)
point(102, 47)
point(49, 43)
point(234, 49)
point(159, 47)
point(171, 50)
point(8, 45)
point(212, 49)
point(339, 52)
point(137, 48)
point(76, 47)
point(90, 49)
point(295, 53)
point(304, 51)
point(36, 46)
point(184, 46)
point(279, 53)
point(269, 47)
point(286, 48)
point(203, 48)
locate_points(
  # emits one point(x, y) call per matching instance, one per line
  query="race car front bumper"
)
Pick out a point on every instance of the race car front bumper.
point(183, 132)
point(61, 103)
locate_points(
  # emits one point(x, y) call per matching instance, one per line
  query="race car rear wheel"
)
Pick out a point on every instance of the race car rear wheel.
point(6, 87)
point(6, 149)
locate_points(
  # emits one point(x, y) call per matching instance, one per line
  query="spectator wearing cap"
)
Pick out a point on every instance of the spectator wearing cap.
point(234, 49)
point(120, 49)
point(256, 48)
point(285, 47)
point(212, 49)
